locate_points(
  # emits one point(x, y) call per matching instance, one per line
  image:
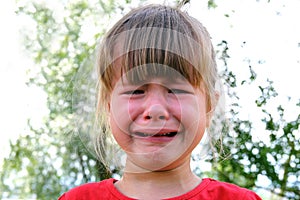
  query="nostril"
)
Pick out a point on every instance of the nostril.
point(156, 112)
point(161, 117)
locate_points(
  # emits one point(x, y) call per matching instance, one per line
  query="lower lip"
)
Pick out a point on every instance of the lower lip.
point(160, 139)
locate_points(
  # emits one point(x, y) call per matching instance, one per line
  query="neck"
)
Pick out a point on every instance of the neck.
point(158, 184)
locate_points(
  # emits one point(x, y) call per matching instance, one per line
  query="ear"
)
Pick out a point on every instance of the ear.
point(211, 108)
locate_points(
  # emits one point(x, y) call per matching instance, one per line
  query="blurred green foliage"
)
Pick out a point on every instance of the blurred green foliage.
point(48, 160)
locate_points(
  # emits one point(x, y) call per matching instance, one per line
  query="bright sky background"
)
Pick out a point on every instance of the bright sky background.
point(272, 34)
point(17, 102)
point(12, 76)
point(271, 31)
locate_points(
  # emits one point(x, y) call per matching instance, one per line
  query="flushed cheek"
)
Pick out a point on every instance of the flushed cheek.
point(134, 109)
point(121, 135)
point(194, 119)
point(120, 121)
point(176, 108)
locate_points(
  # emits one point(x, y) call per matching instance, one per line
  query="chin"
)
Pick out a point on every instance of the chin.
point(154, 161)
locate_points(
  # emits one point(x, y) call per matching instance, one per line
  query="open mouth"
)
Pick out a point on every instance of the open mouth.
point(170, 134)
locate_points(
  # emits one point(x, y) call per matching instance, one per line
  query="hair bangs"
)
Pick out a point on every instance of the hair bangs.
point(154, 49)
point(143, 64)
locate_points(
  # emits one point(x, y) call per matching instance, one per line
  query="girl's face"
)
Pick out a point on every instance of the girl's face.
point(158, 122)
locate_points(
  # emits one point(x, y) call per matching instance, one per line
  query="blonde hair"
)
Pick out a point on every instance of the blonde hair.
point(153, 36)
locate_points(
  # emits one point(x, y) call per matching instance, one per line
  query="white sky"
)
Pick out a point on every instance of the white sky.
point(272, 34)
point(12, 87)
point(17, 102)
point(271, 30)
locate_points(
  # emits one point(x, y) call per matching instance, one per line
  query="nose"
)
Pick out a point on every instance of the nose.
point(156, 107)
point(156, 112)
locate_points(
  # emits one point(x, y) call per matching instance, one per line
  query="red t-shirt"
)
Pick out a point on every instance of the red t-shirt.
point(207, 189)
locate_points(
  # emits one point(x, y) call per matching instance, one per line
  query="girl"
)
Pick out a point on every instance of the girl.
point(157, 75)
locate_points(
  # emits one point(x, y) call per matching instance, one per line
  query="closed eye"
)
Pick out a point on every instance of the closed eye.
point(178, 91)
point(135, 92)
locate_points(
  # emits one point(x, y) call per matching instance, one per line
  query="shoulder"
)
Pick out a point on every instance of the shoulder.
point(89, 191)
point(223, 190)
